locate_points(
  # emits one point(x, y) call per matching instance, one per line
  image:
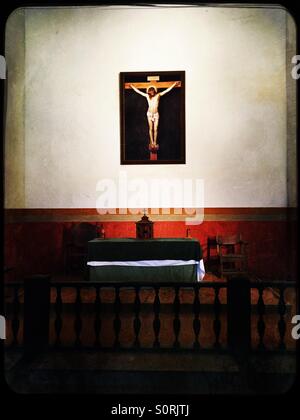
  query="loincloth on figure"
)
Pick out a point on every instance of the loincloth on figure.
point(154, 116)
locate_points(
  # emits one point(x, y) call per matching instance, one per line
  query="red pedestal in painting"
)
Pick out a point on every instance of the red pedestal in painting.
point(153, 151)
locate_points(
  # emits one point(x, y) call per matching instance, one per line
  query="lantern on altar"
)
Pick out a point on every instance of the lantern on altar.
point(144, 228)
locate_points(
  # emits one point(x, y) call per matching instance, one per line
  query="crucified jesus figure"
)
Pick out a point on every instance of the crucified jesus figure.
point(153, 98)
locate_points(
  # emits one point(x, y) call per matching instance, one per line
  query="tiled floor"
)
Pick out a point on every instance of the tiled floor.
point(106, 373)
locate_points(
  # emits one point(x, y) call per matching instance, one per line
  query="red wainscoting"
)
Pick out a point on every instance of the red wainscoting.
point(37, 247)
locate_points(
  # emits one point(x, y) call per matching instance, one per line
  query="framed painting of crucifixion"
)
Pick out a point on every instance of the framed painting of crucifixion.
point(152, 112)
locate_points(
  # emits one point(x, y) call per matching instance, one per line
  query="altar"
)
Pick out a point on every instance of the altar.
point(145, 260)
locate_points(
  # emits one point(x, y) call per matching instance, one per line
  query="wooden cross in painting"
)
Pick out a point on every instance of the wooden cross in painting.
point(153, 97)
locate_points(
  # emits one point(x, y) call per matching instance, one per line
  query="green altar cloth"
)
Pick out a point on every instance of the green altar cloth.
point(134, 250)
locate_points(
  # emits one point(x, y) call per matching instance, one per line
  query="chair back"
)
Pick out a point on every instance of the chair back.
point(229, 239)
point(82, 233)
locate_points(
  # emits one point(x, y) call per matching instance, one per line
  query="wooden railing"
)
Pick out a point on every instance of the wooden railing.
point(278, 287)
point(234, 315)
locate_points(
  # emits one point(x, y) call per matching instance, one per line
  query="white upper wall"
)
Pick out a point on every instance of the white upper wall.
point(236, 122)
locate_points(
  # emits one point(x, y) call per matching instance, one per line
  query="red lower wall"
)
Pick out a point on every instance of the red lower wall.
point(37, 247)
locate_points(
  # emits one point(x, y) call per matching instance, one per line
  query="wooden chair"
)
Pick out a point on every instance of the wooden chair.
point(75, 245)
point(232, 254)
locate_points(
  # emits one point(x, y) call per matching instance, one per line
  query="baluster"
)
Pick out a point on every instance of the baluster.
point(117, 320)
point(15, 324)
point(281, 322)
point(196, 322)
point(97, 322)
point(217, 322)
point(156, 321)
point(58, 320)
point(261, 326)
point(137, 322)
point(78, 321)
point(176, 322)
